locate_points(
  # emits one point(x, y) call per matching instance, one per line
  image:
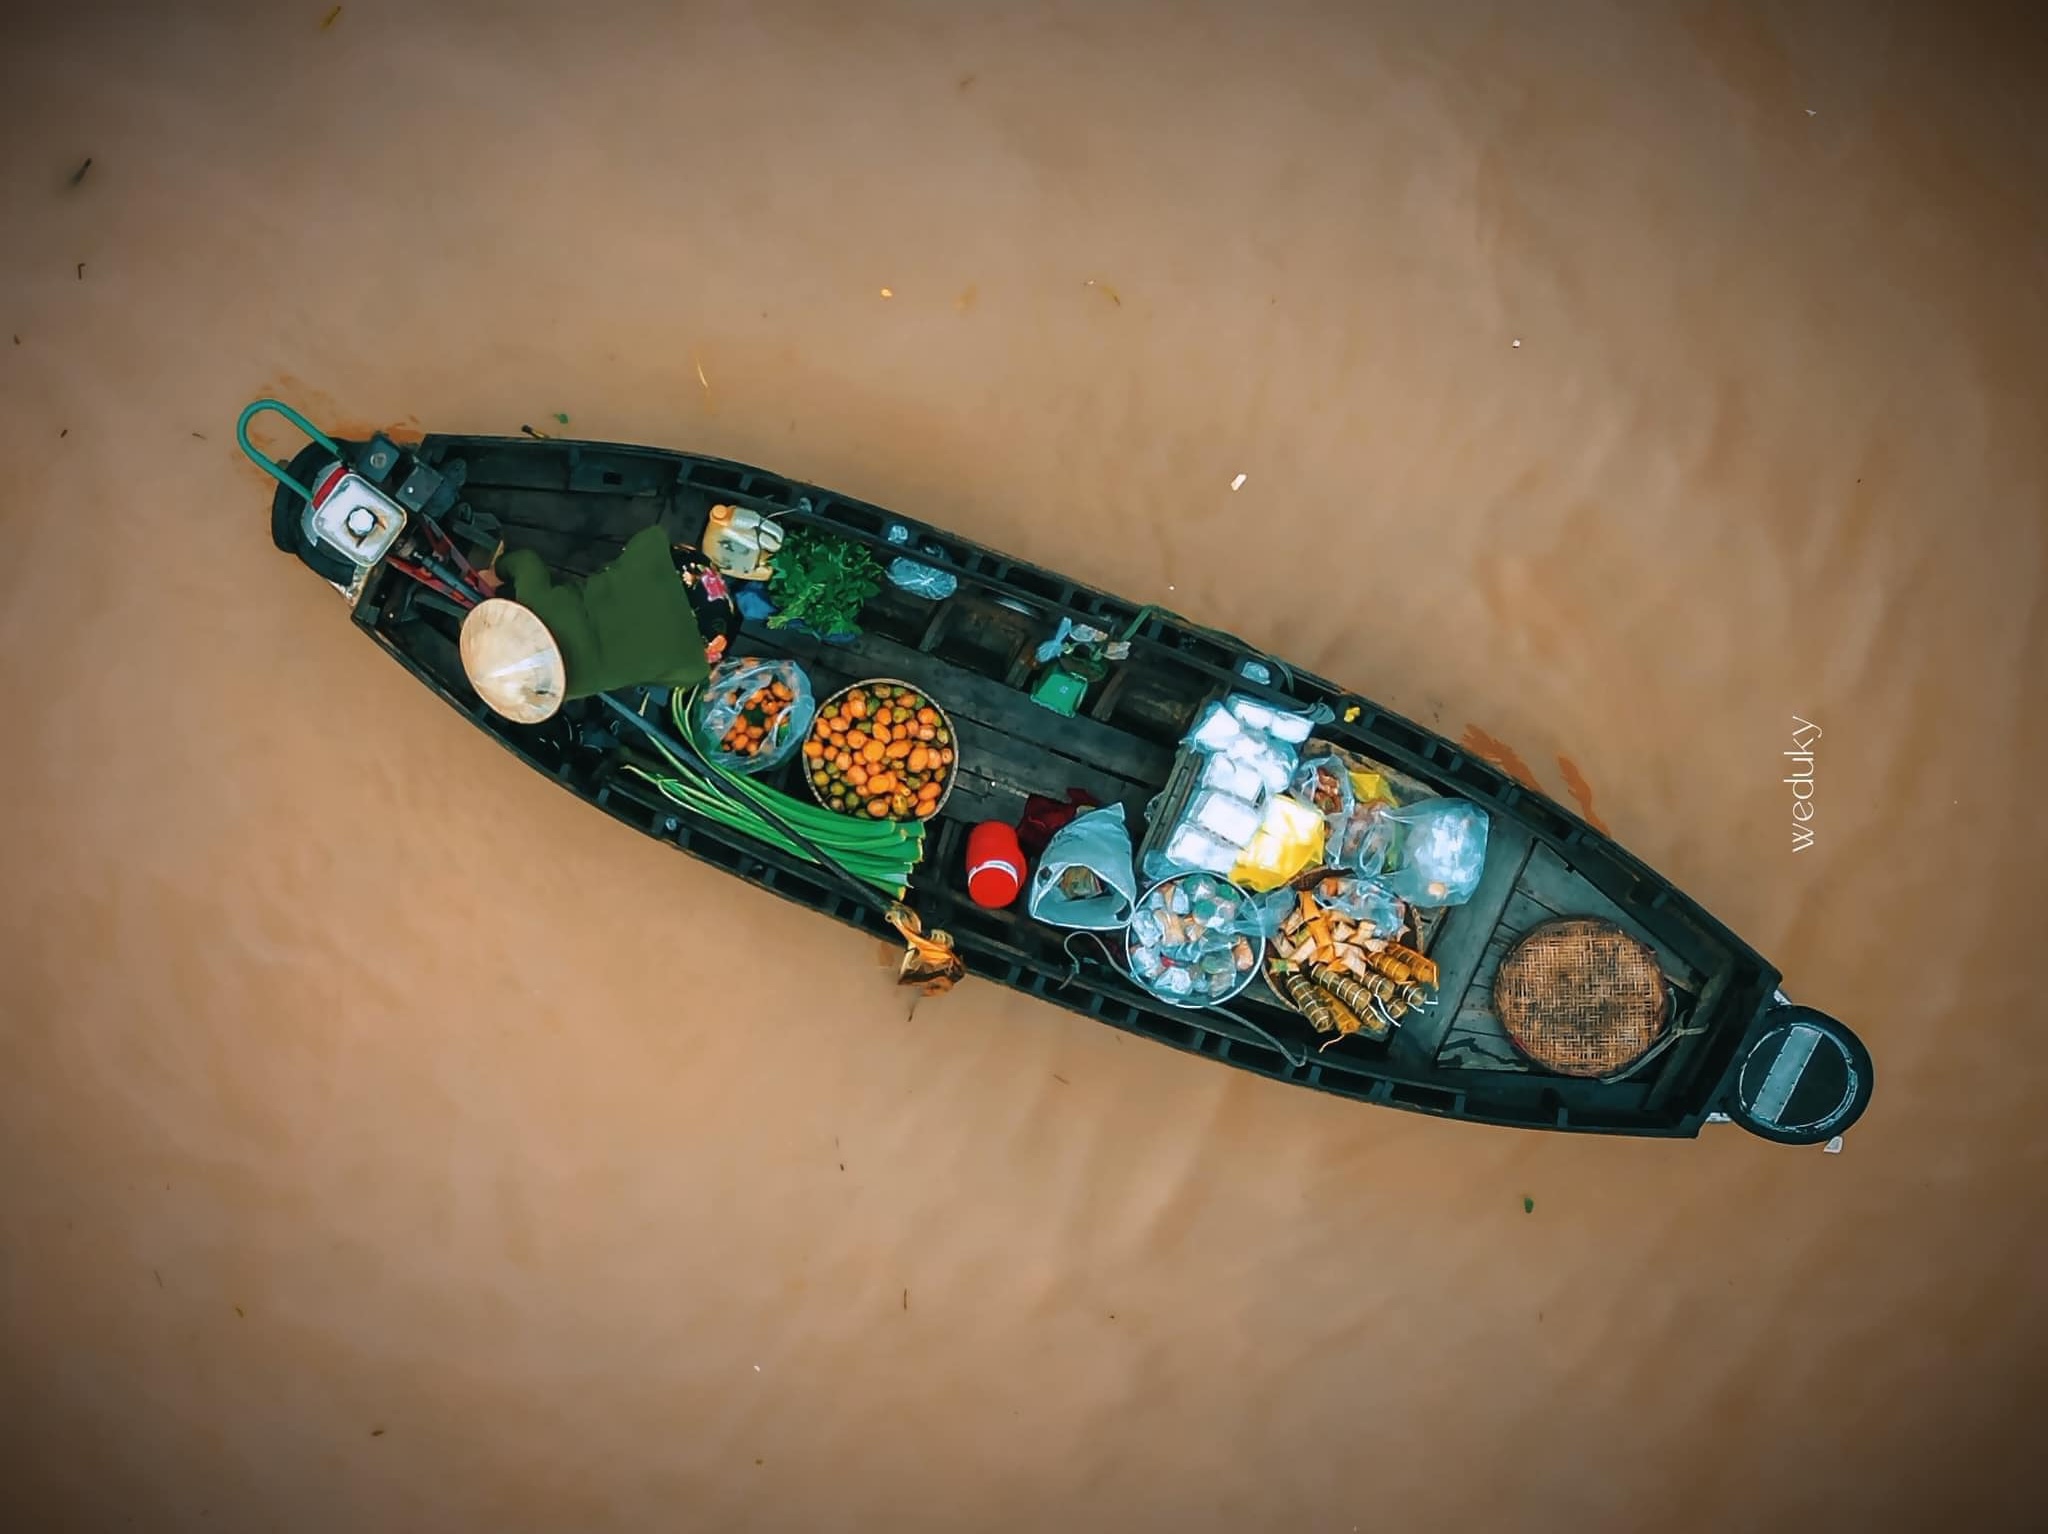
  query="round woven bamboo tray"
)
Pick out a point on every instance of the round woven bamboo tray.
point(1580, 997)
point(952, 767)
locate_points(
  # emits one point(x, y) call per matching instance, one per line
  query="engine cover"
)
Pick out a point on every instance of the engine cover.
point(353, 517)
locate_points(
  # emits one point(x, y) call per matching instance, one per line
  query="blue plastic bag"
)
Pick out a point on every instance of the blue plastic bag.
point(1099, 841)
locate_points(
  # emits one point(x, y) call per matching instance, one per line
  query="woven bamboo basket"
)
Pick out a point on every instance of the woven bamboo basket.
point(1580, 997)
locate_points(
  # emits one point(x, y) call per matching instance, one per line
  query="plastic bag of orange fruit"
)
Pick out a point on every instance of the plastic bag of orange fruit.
point(881, 749)
point(752, 713)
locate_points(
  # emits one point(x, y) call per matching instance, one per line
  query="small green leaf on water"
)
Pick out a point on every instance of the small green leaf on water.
point(1528, 1205)
point(562, 418)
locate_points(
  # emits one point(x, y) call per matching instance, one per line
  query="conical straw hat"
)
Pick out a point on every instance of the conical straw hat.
point(513, 661)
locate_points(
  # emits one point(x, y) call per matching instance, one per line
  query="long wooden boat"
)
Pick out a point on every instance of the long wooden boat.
point(1740, 1049)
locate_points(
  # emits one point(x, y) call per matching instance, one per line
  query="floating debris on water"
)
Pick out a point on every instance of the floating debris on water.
point(81, 271)
point(1517, 341)
point(79, 174)
point(331, 18)
point(537, 435)
point(1106, 291)
point(1528, 1204)
point(888, 292)
point(1238, 483)
point(561, 418)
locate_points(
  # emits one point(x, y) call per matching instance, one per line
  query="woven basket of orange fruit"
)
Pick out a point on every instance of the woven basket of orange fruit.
point(884, 749)
point(752, 714)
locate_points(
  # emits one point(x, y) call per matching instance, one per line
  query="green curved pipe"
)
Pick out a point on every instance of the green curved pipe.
point(279, 407)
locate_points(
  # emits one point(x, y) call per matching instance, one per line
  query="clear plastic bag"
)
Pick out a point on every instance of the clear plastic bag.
point(1324, 784)
point(1361, 844)
point(1262, 718)
point(1190, 847)
point(1223, 816)
point(1438, 852)
point(1361, 900)
point(1365, 900)
point(1272, 762)
point(934, 585)
point(750, 689)
point(1228, 777)
point(1265, 911)
point(1099, 842)
point(1215, 729)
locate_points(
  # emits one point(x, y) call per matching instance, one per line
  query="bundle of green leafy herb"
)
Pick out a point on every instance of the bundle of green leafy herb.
point(821, 581)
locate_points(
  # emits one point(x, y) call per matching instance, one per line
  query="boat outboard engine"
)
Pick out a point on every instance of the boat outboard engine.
point(351, 517)
point(335, 518)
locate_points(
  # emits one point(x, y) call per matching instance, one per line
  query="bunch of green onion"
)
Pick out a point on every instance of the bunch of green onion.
point(877, 852)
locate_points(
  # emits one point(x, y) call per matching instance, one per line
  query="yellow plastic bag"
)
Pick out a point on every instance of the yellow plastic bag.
point(1368, 786)
point(1289, 839)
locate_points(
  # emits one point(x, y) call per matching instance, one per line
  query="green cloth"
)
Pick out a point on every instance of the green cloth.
point(628, 625)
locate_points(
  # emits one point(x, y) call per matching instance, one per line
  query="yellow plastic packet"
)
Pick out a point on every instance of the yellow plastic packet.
point(1368, 786)
point(1289, 839)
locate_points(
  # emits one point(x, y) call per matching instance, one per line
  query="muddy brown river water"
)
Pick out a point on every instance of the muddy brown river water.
point(393, 1143)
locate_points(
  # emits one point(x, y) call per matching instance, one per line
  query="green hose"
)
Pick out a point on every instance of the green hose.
point(279, 407)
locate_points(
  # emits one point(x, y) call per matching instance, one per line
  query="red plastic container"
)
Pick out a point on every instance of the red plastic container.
point(995, 864)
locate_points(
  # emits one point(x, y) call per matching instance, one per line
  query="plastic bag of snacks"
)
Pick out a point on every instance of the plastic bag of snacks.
point(1364, 900)
point(1357, 900)
point(752, 714)
point(1438, 853)
point(1324, 782)
point(1085, 878)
